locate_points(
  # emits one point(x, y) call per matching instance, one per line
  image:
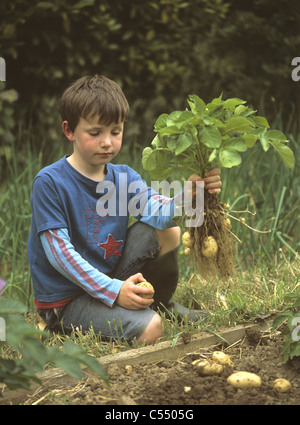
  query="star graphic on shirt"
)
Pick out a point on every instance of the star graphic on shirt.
point(111, 247)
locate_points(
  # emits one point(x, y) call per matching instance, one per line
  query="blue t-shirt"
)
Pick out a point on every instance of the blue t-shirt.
point(63, 198)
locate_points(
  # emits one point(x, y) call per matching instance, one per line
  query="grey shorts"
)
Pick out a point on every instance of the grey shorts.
point(111, 322)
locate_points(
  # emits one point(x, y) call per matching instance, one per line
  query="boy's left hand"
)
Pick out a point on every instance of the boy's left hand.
point(212, 180)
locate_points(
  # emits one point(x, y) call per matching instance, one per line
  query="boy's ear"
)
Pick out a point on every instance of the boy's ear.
point(67, 131)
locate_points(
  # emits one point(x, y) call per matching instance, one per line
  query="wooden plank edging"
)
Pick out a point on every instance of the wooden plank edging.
point(163, 351)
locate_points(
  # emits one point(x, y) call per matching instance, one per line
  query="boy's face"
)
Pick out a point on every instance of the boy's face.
point(94, 144)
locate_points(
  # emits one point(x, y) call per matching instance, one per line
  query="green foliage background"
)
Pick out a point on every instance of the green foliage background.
point(159, 51)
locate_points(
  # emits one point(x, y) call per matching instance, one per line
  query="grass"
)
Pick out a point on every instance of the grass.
point(249, 296)
point(267, 265)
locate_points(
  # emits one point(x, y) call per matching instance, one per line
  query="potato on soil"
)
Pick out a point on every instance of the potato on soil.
point(209, 247)
point(146, 285)
point(243, 380)
point(282, 385)
point(221, 358)
point(187, 240)
point(207, 367)
point(128, 368)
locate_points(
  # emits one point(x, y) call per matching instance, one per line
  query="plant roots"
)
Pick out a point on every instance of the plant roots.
point(214, 216)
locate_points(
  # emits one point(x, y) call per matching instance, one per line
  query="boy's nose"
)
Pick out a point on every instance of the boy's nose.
point(105, 140)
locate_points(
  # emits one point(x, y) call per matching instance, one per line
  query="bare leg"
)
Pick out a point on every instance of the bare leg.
point(153, 331)
point(168, 239)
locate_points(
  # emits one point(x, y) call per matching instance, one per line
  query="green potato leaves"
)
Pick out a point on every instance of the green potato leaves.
point(209, 135)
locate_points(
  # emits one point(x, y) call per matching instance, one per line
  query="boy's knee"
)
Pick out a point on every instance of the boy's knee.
point(168, 239)
point(156, 328)
point(153, 331)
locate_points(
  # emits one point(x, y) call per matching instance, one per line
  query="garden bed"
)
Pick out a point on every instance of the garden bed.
point(164, 375)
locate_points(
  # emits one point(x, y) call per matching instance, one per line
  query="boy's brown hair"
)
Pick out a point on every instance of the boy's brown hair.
point(92, 96)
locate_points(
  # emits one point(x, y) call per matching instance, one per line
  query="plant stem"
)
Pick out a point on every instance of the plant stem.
point(201, 160)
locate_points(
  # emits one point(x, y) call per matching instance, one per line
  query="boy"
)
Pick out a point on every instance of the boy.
point(85, 265)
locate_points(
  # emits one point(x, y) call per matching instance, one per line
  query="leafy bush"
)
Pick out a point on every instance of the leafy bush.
point(34, 355)
point(159, 51)
point(208, 136)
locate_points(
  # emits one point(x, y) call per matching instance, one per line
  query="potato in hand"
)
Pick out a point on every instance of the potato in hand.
point(146, 285)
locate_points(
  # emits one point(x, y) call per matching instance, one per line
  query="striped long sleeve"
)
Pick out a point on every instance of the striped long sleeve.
point(67, 261)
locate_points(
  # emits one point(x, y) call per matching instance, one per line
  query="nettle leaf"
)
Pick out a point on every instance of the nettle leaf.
point(210, 136)
point(229, 158)
point(238, 124)
point(285, 153)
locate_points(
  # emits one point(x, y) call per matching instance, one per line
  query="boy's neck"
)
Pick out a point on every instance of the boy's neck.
point(94, 173)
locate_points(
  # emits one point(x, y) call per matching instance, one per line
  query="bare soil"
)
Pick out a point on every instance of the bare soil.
point(178, 383)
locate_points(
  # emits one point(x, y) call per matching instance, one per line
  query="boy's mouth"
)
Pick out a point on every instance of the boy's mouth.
point(104, 154)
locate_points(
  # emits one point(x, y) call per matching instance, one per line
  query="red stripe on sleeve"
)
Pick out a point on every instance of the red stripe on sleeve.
point(83, 274)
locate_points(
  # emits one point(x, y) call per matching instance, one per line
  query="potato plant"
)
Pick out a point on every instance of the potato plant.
point(202, 137)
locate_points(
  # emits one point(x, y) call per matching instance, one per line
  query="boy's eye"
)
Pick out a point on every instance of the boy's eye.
point(114, 133)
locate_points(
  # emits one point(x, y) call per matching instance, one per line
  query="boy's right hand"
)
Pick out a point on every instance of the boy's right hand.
point(129, 294)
